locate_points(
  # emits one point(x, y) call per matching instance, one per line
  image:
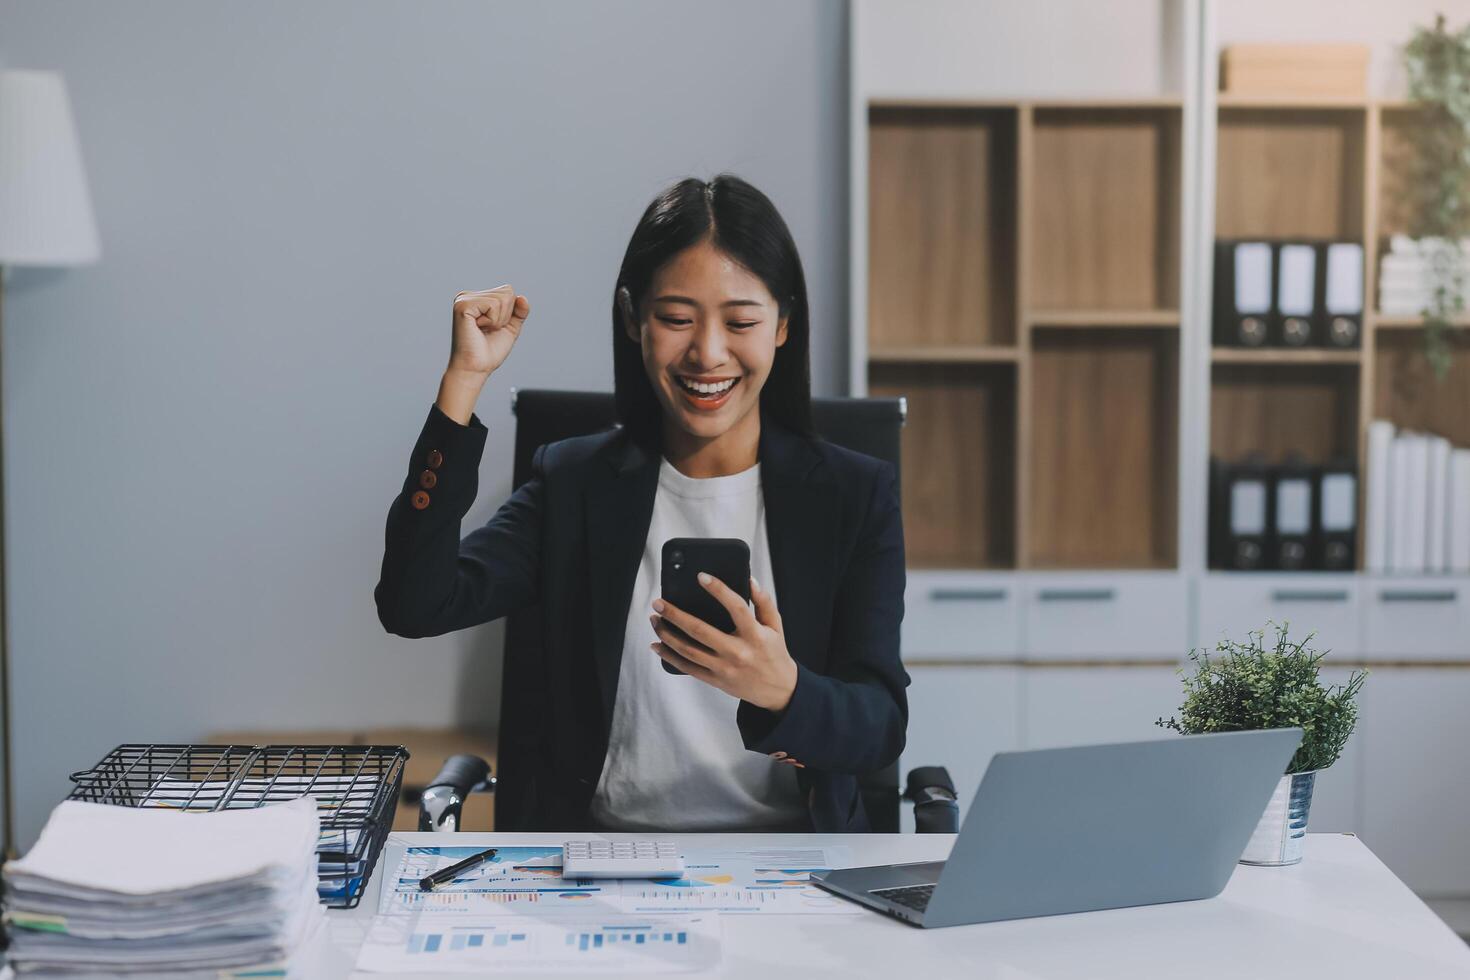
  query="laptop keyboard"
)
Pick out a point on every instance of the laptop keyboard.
point(915, 897)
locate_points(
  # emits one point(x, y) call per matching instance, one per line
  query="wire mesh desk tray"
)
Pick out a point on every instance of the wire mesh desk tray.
point(355, 786)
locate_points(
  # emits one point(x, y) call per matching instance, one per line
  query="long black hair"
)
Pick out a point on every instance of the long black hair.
point(743, 223)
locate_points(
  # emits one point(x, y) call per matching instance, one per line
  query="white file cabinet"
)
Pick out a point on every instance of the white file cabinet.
point(958, 718)
point(983, 650)
point(961, 616)
point(1233, 603)
point(1106, 615)
point(1417, 618)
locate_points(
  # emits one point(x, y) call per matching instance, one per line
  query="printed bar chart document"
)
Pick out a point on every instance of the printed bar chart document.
point(526, 944)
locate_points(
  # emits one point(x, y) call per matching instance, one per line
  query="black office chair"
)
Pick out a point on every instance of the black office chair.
point(868, 425)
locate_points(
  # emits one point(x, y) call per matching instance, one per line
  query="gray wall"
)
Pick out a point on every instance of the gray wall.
point(204, 431)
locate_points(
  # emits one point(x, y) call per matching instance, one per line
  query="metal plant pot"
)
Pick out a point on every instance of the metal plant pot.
point(1277, 839)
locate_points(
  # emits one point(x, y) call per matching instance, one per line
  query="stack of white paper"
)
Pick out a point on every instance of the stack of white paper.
point(1418, 506)
point(1406, 272)
point(341, 865)
point(114, 890)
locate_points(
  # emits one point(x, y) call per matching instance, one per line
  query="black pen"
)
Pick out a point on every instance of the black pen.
point(448, 874)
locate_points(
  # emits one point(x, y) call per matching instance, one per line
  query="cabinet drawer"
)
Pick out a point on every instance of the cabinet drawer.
point(960, 616)
point(1417, 617)
point(1233, 604)
point(1106, 616)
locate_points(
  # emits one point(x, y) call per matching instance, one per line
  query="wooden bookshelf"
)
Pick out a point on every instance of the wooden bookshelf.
point(1293, 168)
point(1023, 294)
point(1078, 399)
point(1024, 291)
point(1340, 169)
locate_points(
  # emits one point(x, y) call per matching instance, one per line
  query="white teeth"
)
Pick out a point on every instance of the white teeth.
point(708, 389)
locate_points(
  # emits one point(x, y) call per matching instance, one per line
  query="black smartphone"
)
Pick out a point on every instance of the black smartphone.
point(727, 559)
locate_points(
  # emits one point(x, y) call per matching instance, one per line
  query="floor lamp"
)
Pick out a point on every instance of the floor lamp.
point(45, 220)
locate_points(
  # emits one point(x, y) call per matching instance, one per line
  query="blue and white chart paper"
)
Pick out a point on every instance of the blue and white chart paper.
point(525, 943)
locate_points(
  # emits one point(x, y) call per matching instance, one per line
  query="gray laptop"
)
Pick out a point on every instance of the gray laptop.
point(1094, 827)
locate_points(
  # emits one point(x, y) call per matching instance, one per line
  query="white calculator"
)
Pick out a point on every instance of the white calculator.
point(621, 859)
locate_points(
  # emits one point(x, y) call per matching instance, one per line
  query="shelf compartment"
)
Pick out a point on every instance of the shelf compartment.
point(1290, 173)
point(1280, 355)
point(1276, 409)
point(1407, 393)
point(1103, 454)
point(959, 461)
point(1399, 193)
point(1403, 187)
point(941, 227)
point(1105, 209)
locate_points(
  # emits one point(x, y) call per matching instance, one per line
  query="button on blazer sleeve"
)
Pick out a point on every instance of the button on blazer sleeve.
point(434, 583)
point(852, 719)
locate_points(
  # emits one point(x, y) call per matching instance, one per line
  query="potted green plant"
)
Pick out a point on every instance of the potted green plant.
point(1246, 686)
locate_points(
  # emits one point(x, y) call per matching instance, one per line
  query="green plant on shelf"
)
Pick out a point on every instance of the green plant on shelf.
point(1437, 62)
point(1248, 686)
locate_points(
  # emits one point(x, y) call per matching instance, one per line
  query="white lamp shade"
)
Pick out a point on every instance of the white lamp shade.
point(45, 207)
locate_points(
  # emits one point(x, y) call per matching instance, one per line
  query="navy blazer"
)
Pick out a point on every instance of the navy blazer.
point(571, 539)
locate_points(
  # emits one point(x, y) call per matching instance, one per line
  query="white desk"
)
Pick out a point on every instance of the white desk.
point(1340, 914)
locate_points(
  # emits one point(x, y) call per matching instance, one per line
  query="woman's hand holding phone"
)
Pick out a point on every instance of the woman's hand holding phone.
point(751, 664)
point(486, 325)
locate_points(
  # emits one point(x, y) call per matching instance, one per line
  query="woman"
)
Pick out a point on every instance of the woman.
point(770, 725)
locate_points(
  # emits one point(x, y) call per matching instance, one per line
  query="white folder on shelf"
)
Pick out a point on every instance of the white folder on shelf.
point(1379, 503)
point(1296, 284)
point(1344, 279)
point(1414, 514)
point(1436, 542)
point(1252, 278)
point(1399, 493)
point(1459, 512)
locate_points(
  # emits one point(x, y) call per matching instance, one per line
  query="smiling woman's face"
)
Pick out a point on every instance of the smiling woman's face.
point(709, 333)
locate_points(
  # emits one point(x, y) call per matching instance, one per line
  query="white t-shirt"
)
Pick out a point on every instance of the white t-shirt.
point(675, 760)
